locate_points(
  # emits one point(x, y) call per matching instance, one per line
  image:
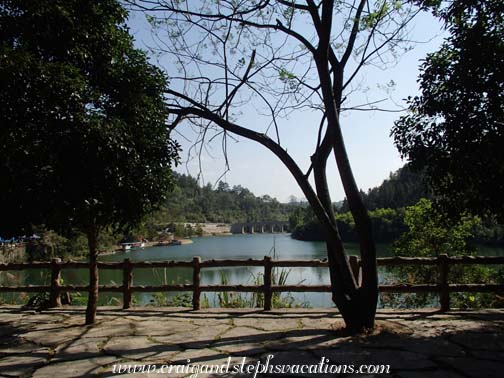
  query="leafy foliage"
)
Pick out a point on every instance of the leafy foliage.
point(73, 245)
point(430, 234)
point(387, 225)
point(177, 300)
point(454, 130)
point(83, 139)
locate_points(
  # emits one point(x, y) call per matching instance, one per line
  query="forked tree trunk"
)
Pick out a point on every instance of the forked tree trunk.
point(92, 235)
point(345, 291)
point(357, 309)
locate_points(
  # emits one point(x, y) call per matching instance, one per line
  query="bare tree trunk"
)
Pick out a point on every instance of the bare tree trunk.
point(92, 235)
point(369, 287)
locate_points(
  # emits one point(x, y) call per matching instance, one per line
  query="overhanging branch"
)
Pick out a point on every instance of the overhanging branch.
point(271, 145)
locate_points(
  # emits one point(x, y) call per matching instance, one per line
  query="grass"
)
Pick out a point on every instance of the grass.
point(256, 299)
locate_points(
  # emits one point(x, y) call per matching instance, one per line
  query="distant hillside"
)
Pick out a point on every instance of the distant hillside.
point(189, 202)
point(385, 203)
point(402, 188)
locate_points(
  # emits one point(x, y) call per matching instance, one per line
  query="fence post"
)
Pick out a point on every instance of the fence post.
point(268, 294)
point(196, 282)
point(444, 293)
point(54, 296)
point(127, 283)
point(354, 265)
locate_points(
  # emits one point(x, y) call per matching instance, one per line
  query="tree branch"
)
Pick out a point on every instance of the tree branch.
point(293, 4)
point(267, 142)
point(353, 34)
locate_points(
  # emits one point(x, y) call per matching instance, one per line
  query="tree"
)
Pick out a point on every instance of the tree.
point(429, 234)
point(454, 130)
point(284, 56)
point(83, 138)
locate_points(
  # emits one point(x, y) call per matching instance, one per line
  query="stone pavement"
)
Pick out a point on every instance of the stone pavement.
point(55, 343)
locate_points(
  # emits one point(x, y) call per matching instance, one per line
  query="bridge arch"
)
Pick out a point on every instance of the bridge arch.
point(260, 227)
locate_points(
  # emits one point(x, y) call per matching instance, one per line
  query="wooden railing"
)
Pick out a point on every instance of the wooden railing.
point(443, 288)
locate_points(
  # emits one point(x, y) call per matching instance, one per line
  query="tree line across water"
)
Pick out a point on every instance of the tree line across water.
point(390, 204)
point(400, 198)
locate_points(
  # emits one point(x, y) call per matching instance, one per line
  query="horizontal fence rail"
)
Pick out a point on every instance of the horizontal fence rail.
point(443, 288)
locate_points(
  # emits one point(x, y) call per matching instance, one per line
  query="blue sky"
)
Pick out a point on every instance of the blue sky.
point(370, 148)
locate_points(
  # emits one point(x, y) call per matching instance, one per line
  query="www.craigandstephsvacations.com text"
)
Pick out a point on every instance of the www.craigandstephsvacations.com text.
point(252, 368)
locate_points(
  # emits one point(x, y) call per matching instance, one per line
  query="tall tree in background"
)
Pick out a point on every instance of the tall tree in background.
point(284, 57)
point(455, 128)
point(83, 138)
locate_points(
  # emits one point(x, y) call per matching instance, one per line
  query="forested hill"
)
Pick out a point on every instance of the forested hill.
point(385, 203)
point(402, 188)
point(191, 203)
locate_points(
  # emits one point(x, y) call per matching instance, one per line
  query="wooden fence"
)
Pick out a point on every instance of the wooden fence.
point(443, 288)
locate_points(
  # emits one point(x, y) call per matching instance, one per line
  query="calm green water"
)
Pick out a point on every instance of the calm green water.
point(256, 246)
point(281, 246)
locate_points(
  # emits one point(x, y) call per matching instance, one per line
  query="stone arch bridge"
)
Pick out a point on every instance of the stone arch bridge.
point(260, 227)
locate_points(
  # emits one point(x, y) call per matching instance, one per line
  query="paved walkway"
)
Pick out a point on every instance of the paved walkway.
point(54, 343)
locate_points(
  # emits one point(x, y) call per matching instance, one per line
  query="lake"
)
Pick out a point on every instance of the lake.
point(279, 246)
